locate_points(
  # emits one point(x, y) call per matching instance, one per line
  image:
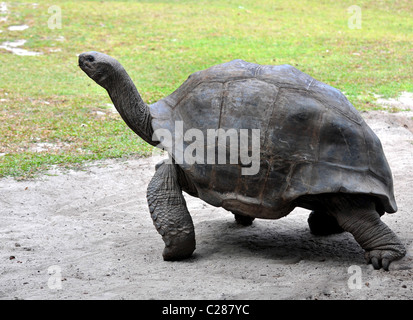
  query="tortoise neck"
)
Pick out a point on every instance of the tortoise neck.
point(127, 100)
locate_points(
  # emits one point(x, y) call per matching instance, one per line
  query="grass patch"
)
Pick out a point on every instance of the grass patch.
point(51, 113)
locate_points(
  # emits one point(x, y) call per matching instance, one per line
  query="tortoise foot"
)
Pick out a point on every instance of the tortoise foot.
point(179, 251)
point(383, 258)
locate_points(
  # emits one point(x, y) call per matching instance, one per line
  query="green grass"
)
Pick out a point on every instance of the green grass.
point(48, 99)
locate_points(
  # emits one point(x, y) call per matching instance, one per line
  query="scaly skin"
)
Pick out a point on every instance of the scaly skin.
point(170, 214)
point(358, 215)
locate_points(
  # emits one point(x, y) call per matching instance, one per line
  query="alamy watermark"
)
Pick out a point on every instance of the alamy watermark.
point(355, 280)
point(55, 280)
point(55, 20)
point(354, 22)
point(192, 146)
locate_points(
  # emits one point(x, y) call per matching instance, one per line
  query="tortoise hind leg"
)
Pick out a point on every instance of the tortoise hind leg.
point(323, 224)
point(243, 220)
point(170, 214)
point(358, 215)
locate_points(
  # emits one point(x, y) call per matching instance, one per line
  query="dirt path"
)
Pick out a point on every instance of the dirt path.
point(88, 235)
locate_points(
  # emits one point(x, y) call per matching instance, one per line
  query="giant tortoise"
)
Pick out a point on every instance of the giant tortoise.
point(306, 144)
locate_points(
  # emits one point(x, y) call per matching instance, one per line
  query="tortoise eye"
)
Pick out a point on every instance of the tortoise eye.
point(90, 58)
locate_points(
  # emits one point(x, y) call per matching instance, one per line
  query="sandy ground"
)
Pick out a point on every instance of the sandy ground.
point(88, 235)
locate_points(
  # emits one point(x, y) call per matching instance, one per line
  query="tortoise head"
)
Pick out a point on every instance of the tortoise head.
point(100, 67)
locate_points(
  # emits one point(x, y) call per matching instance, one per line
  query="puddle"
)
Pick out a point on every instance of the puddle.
point(403, 102)
point(3, 8)
point(3, 11)
point(13, 46)
point(18, 28)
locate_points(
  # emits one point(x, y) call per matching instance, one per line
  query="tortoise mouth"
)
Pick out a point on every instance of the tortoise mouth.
point(81, 65)
point(85, 63)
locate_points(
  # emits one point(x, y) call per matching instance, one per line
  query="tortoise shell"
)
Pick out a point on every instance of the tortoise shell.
point(312, 139)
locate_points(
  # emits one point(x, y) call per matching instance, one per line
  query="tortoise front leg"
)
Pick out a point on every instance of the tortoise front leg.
point(358, 215)
point(170, 214)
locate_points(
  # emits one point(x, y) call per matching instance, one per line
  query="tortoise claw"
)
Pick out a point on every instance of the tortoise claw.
point(375, 262)
point(382, 258)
